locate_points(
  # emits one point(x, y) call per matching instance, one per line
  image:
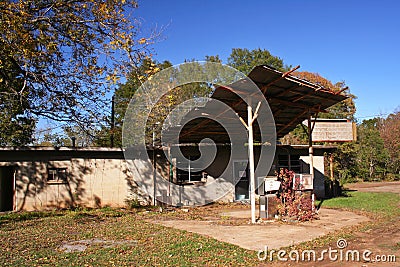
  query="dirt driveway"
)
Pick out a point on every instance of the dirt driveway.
point(392, 187)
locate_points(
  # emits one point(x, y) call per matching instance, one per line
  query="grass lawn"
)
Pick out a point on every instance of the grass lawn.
point(118, 238)
point(381, 204)
point(125, 238)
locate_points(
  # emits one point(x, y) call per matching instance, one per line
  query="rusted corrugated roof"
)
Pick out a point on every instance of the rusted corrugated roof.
point(291, 100)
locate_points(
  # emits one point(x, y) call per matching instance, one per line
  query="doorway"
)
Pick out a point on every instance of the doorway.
point(240, 174)
point(6, 188)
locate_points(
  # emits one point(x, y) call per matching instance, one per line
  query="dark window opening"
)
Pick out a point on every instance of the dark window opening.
point(58, 175)
point(187, 172)
point(290, 162)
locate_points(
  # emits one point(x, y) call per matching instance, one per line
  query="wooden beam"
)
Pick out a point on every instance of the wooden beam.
point(299, 105)
point(293, 120)
point(278, 111)
point(308, 94)
point(341, 91)
point(284, 75)
point(291, 89)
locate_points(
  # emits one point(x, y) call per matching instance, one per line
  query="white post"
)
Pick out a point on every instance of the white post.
point(251, 164)
point(249, 126)
point(310, 147)
point(154, 164)
point(311, 155)
point(154, 170)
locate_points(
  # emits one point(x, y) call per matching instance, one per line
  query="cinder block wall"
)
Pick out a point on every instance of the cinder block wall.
point(89, 183)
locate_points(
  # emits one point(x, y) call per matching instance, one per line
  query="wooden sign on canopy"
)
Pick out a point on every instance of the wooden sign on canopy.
point(333, 130)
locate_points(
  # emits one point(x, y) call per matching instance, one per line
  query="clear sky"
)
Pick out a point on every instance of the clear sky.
point(353, 41)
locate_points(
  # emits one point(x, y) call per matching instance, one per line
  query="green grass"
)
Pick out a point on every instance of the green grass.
point(386, 204)
point(34, 238)
point(35, 241)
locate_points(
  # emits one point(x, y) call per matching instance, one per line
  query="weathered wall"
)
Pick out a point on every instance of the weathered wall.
point(90, 183)
point(101, 177)
point(319, 176)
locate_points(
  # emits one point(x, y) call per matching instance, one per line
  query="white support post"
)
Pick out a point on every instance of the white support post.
point(249, 126)
point(310, 147)
point(154, 165)
point(311, 154)
point(154, 170)
point(251, 164)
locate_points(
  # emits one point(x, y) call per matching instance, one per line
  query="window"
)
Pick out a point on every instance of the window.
point(187, 173)
point(290, 162)
point(57, 175)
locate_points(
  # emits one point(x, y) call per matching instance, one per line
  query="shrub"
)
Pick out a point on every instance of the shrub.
point(294, 205)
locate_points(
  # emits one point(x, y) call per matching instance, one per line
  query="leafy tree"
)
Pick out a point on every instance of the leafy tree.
point(215, 59)
point(345, 162)
point(342, 110)
point(16, 127)
point(123, 95)
point(58, 59)
point(166, 104)
point(375, 155)
point(82, 138)
point(245, 60)
point(298, 136)
point(389, 129)
point(372, 157)
point(52, 137)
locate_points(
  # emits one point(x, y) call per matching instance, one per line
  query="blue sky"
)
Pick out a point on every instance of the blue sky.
point(354, 41)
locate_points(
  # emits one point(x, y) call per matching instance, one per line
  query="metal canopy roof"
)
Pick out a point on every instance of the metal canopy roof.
point(291, 101)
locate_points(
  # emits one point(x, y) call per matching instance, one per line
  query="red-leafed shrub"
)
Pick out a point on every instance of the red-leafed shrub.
point(294, 204)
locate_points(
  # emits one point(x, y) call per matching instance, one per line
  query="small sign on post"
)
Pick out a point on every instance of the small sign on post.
point(271, 184)
point(303, 181)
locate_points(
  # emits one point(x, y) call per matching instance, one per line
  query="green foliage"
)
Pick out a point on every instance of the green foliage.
point(345, 162)
point(345, 158)
point(245, 60)
point(134, 203)
point(58, 59)
point(389, 130)
point(123, 95)
point(16, 128)
point(54, 139)
point(298, 136)
point(160, 110)
point(49, 137)
point(31, 215)
point(372, 157)
point(215, 59)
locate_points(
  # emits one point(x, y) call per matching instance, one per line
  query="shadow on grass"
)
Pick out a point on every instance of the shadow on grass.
point(31, 215)
point(344, 192)
point(76, 213)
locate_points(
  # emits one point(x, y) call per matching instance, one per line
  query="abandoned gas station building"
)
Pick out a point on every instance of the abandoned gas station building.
point(34, 178)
